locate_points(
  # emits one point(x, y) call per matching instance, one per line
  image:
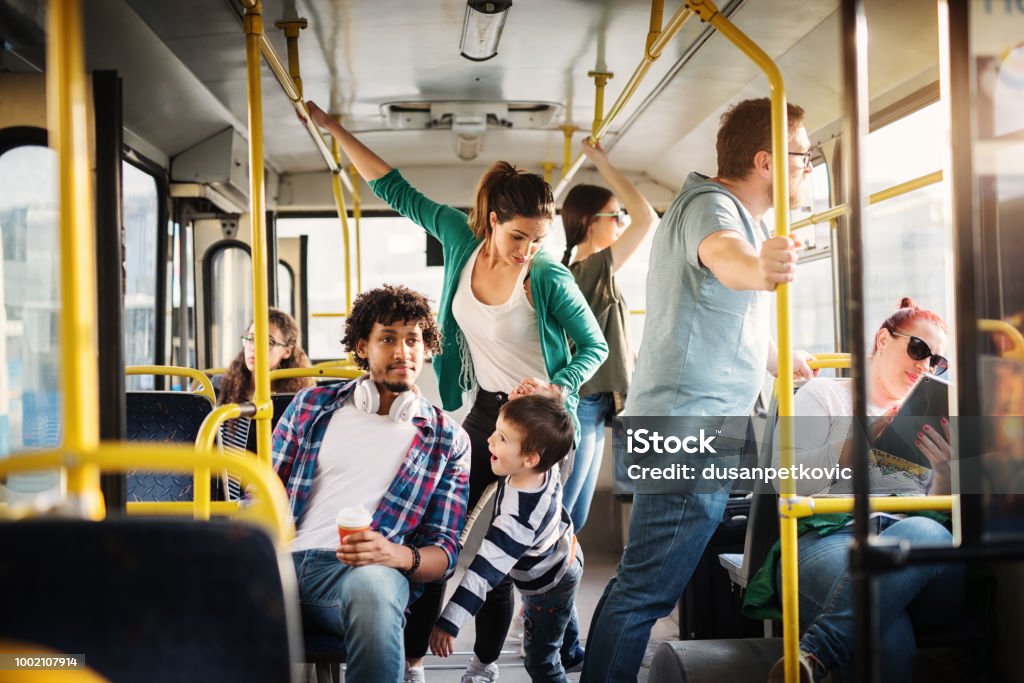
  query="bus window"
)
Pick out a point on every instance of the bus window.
point(230, 301)
point(285, 288)
point(908, 248)
point(393, 252)
point(140, 235)
point(29, 386)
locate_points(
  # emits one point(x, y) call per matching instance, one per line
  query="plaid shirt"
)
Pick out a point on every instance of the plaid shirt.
point(426, 501)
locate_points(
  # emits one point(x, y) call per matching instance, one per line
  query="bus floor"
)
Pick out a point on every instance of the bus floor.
point(599, 569)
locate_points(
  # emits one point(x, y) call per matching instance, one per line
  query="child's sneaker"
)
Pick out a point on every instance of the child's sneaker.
point(415, 674)
point(574, 662)
point(477, 672)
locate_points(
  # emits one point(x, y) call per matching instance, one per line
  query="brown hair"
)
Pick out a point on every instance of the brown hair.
point(509, 192)
point(386, 305)
point(237, 386)
point(544, 425)
point(746, 129)
point(907, 313)
point(578, 210)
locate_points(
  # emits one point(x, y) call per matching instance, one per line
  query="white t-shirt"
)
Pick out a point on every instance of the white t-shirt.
point(503, 339)
point(822, 425)
point(357, 461)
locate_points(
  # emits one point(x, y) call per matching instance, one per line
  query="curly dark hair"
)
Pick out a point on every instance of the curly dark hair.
point(237, 385)
point(386, 305)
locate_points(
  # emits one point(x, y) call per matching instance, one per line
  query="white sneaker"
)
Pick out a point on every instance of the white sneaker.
point(518, 624)
point(476, 672)
point(415, 674)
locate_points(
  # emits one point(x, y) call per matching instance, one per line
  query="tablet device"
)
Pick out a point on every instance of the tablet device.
point(927, 404)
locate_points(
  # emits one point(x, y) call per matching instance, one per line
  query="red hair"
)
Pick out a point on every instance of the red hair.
point(906, 314)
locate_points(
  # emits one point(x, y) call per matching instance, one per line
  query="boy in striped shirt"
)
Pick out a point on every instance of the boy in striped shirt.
point(530, 538)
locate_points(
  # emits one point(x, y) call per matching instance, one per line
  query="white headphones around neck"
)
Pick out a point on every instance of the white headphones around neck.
point(367, 399)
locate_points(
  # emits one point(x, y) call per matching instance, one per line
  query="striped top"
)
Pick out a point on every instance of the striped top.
point(530, 539)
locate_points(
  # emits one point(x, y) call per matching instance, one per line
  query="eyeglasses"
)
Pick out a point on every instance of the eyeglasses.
point(918, 349)
point(249, 339)
point(805, 156)
point(621, 217)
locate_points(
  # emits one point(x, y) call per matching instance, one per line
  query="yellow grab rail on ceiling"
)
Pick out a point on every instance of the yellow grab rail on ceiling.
point(339, 202)
point(269, 504)
point(67, 107)
point(197, 376)
point(1016, 352)
point(654, 47)
point(708, 12)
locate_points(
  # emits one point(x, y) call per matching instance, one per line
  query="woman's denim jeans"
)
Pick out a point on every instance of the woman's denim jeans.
point(921, 593)
point(364, 606)
point(578, 490)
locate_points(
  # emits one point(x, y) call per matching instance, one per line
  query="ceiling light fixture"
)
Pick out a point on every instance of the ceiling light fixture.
point(481, 28)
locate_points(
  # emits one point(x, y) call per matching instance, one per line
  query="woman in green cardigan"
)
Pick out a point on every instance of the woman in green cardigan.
point(507, 312)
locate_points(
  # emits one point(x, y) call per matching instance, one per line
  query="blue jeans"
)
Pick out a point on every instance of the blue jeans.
point(550, 619)
point(924, 593)
point(578, 490)
point(667, 536)
point(364, 606)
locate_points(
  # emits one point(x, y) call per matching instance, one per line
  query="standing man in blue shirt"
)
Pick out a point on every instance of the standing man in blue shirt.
point(705, 349)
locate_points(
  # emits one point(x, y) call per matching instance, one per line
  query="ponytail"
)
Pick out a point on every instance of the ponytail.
point(509, 192)
point(582, 202)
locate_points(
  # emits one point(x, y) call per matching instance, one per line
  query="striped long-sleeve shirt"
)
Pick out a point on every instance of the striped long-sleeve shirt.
point(530, 539)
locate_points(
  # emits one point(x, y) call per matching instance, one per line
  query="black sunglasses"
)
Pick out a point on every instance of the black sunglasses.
point(918, 349)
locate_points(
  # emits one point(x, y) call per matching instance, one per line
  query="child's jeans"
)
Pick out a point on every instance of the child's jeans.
point(547, 615)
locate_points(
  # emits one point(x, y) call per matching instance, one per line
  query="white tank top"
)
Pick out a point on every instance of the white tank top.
point(503, 340)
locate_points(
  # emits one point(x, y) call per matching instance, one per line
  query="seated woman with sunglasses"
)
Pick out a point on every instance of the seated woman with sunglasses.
point(907, 345)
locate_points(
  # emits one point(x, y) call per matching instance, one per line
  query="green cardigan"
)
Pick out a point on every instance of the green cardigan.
point(561, 308)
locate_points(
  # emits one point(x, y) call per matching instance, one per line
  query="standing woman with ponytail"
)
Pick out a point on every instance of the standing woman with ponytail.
point(507, 313)
point(594, 220)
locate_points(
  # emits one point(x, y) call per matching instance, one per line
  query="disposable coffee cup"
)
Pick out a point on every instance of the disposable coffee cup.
point(351, 520)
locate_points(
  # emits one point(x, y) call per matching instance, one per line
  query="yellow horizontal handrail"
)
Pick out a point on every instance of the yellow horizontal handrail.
point(340, 362)
point(147, 508)
point(209, 372)
point(269, 504)
point(880, 196)
point(338, 371)
point(206, 439)
point(652, 51)
point(806, 506)
point(205, 385)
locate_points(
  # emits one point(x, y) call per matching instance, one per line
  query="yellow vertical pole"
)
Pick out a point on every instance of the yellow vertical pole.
point(339, 202)
point(67, 114)
point(253, 23)
point(357, 213)
point(548, 168)
point(780, 197)
point(291, 28)
point(601, 79)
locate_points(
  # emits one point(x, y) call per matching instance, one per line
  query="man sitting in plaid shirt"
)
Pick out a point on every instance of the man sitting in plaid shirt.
point(374, 442)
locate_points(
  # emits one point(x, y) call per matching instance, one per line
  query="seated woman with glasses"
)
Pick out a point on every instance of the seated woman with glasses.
point(236, 385)
point(907, 346)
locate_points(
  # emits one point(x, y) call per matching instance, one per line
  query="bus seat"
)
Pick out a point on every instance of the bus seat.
point(327, 653)
point(163, 416)
point(153, 600)
point(717, 661)
point(763, 519)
